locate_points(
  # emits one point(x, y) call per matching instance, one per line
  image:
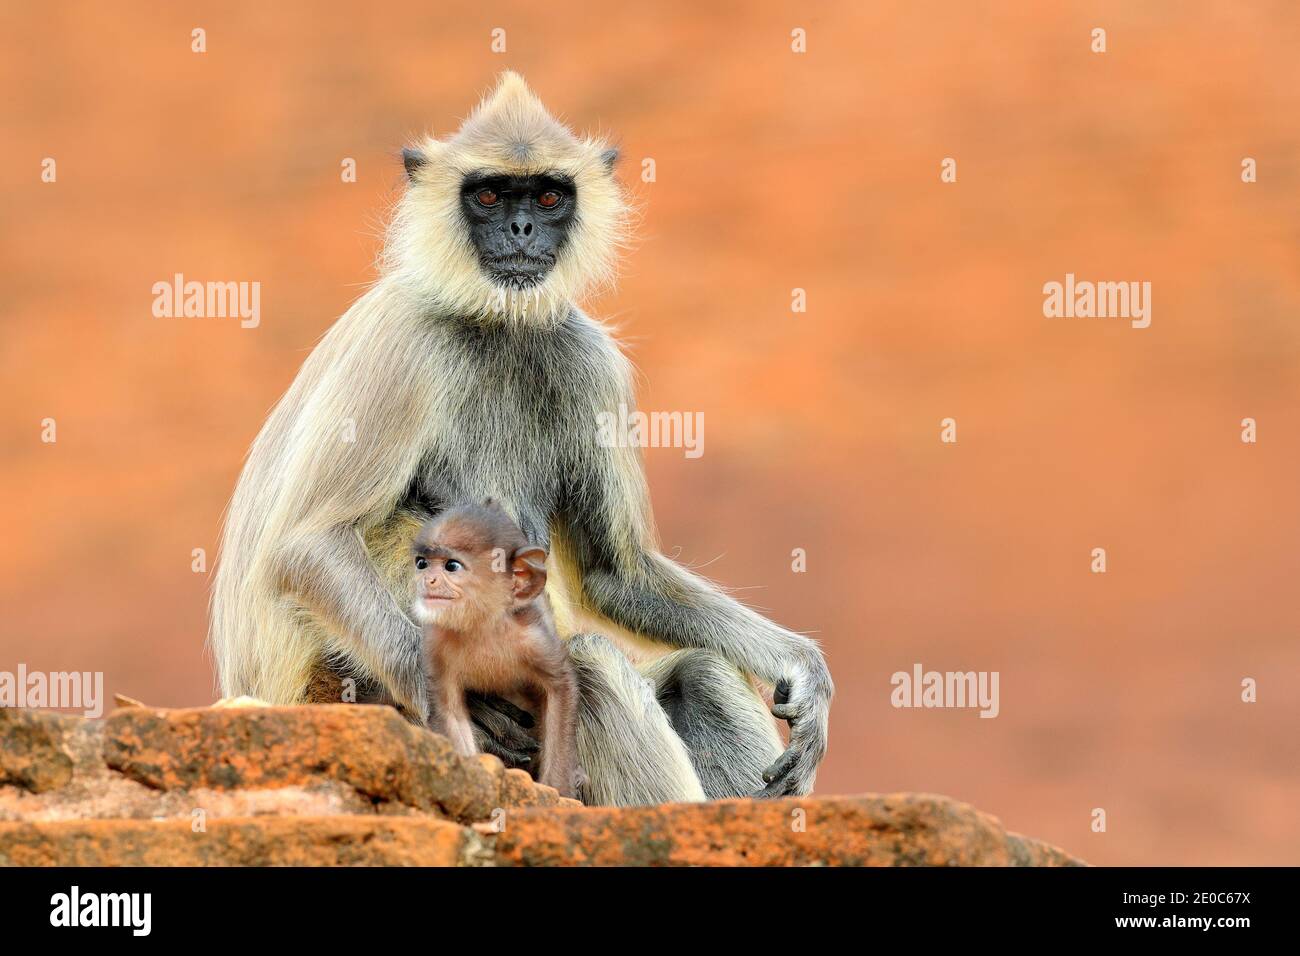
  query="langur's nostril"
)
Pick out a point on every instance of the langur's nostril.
point(528, 229)
point(514, 227)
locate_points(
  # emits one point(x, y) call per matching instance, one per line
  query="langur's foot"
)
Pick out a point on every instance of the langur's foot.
point(243, 700)
point(501, 729)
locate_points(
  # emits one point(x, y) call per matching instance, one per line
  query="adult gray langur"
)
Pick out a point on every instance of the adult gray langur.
point(467, 371)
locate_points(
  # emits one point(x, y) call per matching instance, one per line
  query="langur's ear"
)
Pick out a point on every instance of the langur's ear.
point(528, 565)
point(609, 157)
point(412, 159)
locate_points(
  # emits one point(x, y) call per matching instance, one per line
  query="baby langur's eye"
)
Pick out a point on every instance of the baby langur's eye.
point(549, 199)
point(453, 566)
point(487, 197)
point(421, 564)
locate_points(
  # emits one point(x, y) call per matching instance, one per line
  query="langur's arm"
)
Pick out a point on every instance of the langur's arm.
point(331, 486)
point(330, 573)
point(626, 578)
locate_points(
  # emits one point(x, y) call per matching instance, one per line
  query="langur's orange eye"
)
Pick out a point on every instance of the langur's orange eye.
point(487, 197)
point(549, 199)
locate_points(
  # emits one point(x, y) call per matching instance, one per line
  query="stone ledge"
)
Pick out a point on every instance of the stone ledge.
point(347, 784)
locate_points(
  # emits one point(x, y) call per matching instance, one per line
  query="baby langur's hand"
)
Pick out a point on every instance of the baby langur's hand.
point(501, 728)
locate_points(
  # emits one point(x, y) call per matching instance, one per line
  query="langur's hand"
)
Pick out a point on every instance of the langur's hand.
point(416, 708)
point(501, 728)
point(804, 702)
point(406, 678)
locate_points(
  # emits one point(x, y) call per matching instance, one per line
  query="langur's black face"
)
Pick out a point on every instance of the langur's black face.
point(518, 224)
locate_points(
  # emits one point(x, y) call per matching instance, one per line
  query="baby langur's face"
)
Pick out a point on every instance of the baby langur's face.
point(473, 565)
point(455, 589)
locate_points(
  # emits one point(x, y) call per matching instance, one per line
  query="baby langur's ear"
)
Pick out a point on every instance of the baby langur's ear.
point(528, 565)
point(609, 157)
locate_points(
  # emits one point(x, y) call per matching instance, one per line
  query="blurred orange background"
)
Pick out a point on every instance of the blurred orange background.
point(775, 170)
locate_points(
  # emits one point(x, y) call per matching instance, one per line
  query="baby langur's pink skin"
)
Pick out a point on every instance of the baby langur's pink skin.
point(479, 592)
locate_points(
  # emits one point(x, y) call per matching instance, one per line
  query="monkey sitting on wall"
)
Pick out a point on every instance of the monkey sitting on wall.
point(479, 591)
point(468, 371)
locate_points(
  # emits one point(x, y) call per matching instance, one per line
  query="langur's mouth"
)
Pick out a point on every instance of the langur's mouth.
point(434, 600)
point(518, 272)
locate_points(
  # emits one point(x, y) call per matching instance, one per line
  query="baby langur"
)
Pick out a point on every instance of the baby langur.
point(479, 592)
